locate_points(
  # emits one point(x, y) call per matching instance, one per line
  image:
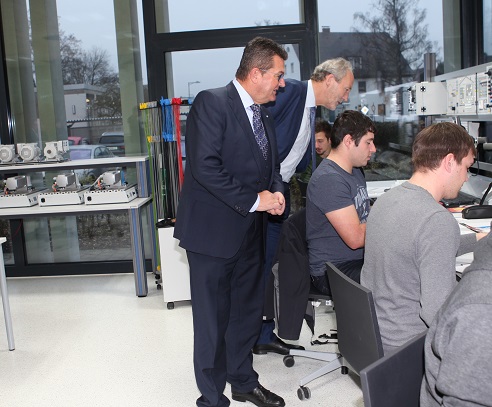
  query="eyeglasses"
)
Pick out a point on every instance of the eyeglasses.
point(279, 75)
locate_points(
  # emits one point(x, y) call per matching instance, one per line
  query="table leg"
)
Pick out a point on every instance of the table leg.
point(153, 236)
point(136, 232)
point(6, 305)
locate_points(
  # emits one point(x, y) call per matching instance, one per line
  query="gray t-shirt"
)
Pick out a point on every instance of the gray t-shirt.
point(331, 188)
point(410, 260)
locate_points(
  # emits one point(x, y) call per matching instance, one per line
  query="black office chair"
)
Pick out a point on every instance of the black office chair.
point(395, 379)
point(359, 340)
point(296, 296)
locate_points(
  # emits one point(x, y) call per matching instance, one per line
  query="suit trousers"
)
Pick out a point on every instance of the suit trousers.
point(272, 239)
point(227, 304)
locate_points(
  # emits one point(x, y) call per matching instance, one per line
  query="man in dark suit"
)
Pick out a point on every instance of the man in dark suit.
point(232, 181)
point(293, 113)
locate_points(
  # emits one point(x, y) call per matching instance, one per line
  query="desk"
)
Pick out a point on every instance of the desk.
point(464, 260)
point(5, 300)
point(134, 209)
point(377, 188)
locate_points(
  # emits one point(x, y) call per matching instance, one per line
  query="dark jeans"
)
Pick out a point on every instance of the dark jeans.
point(351, 269)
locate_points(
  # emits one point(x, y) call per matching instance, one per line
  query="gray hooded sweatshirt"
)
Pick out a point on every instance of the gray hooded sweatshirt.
point(458, 346)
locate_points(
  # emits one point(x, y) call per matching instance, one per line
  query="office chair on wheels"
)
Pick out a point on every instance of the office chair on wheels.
point(359, 340)
point(395, 379)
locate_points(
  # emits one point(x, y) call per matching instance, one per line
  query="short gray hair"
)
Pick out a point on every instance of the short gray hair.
point(338, 67)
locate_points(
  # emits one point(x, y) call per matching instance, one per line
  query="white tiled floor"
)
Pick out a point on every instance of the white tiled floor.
point(89, 341)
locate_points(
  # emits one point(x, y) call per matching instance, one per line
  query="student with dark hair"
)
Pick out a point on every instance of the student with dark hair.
point(337, 203)
point(322, 140)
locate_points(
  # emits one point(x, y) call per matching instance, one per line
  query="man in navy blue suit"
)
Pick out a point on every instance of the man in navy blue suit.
point(329, 86)
point(232, 182)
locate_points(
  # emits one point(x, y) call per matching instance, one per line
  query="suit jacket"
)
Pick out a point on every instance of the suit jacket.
point(225, 171)
point(287, 111)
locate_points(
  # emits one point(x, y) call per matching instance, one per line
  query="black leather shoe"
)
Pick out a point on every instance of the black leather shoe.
point(277, 346)
point(260, 397)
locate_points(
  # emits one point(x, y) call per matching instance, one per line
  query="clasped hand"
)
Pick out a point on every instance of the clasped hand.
point(273, 203)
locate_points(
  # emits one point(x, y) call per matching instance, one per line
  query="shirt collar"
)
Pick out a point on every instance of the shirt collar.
point(310, 99)
point(246, 99)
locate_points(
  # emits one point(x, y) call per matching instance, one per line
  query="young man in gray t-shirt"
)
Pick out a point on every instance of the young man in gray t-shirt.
point(412, 241)
point(337, 203)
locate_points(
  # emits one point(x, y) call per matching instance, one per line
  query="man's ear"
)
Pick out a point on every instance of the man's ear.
point(329, 79)
point(348, 140)
point(448, 162)
point(254, 75)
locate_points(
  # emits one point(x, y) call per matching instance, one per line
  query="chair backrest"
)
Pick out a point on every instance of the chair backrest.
point(359, 340)
point(297, 223)
point(395, 379)
point(293, 275)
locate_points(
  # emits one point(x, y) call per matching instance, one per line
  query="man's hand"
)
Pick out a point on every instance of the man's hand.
point(281, 201)
point(273, 203)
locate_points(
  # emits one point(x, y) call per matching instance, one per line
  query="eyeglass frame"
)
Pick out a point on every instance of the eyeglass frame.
point(279, 76)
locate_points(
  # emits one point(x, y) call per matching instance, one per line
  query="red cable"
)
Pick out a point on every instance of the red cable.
point(176, 103)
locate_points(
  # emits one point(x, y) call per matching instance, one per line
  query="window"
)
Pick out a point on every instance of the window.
point(487, 30)
point(49, 85)
point(362, 86)
point(217, 68)
point(367, 36)
point(197, 15)
point(356, 62)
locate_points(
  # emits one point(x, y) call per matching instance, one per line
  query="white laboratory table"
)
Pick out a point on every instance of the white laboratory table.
point(5, 300)
point(134, 209)
point(464, 260)
point(377, 188)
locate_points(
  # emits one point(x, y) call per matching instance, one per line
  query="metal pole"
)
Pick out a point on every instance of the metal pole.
point(429, 75)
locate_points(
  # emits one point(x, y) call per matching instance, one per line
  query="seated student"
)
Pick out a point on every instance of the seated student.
point(322, 131)
point(337, 202)
point(412, 241)
point(458, 346)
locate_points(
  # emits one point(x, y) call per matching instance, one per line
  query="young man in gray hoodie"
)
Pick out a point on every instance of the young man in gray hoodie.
point(458, 346)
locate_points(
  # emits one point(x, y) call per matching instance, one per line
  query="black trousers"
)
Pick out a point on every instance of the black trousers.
point(227, 304)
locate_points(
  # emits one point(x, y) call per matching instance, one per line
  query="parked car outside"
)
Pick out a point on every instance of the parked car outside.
point(114, 140)
point(87, 152)
point(76, 140)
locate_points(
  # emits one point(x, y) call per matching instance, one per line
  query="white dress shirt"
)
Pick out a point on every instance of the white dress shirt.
point(288, 166)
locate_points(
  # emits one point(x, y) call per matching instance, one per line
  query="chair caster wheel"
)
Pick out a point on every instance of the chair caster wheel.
point(303, 393)
point(344, 370)
point(159, 287)
point(170, 305)
point(289, 361)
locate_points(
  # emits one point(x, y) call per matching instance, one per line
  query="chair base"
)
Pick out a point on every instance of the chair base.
point(335, 360)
